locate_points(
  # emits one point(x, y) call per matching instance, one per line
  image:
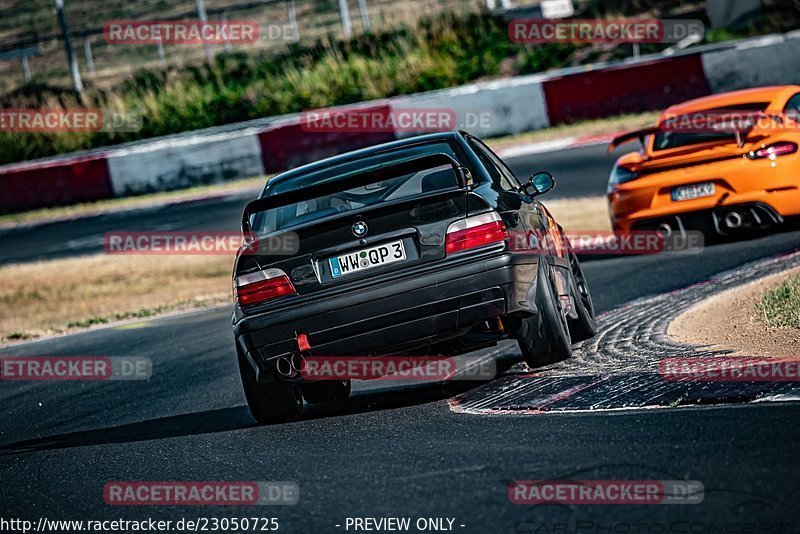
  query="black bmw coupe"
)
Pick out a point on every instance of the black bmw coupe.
point(425, 246)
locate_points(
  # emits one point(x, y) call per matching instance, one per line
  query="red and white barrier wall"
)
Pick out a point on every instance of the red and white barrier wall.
point(56, 182)
point(502, 107)
point(291, 141)
point(487, 109)
point(178, 163)
point(626, 88)
point(768, 60)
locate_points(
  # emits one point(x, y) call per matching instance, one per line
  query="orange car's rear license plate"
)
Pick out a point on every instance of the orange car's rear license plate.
point(689, 192)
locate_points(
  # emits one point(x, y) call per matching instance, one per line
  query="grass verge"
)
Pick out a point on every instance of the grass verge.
point(733, 320)
point(44, 298)
point(780, 307)
point(588, 128)
point(580, 214)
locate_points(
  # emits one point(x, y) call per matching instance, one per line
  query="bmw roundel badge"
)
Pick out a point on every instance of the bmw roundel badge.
point(360, 229)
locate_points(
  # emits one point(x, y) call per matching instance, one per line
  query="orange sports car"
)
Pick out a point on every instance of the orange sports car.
point(722, 164)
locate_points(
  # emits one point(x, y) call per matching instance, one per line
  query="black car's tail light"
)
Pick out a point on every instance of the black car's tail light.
point(474, 232)
point(261, 286)
point(773, 151)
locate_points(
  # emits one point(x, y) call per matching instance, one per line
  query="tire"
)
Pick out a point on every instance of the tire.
point(268, 403)
point(544, 338)
point(585, 326)
point(326, 391)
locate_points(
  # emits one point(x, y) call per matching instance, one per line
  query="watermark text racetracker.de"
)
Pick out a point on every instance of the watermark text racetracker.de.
point(174, 32)
point(539, 31)
point(730, 121)
point(389, 120)
point(200, 243)
point(395, 368)
point(60, 120)
point(604, 242)
point(195, 32)
point(201, 493)
point(618, 492)
point(622, 499)
point(730, 369)
point(74, 368)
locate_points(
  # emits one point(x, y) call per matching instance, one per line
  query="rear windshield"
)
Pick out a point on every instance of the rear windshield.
point(334, 172)
point(666, 140)
point(675, 139)
point(392, 188)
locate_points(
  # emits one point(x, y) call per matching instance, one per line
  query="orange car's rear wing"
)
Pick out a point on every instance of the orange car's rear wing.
point(743, 125)
point(630, 136)
point(755, 123)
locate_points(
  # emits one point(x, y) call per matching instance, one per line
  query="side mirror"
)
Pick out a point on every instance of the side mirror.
point(539, 184)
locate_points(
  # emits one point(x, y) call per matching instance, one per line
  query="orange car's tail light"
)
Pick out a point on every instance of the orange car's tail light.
point(261, 286)
point(620, 175)
point(474, 232)
point(778, 149)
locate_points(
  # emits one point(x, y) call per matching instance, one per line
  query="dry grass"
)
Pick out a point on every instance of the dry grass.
point(607, 126)
point(42, 298)
point(736, 319)
point(580, 214)
point(780, 306)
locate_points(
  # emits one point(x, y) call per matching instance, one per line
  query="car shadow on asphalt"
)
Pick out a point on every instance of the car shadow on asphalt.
point(239, 418)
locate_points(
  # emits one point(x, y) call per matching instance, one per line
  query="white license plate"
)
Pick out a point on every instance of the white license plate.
point(689, 192)
point(367, 258)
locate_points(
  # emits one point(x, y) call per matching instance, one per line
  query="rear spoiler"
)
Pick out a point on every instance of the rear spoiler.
point(740, 129)
point(630, 136)
point(742, 133)
point(357, 178)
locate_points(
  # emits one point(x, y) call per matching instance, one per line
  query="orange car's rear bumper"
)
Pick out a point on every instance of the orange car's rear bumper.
point(739, 182)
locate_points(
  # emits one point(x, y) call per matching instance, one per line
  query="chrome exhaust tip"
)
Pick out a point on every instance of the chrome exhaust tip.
point(284, 366)
point(733, 220)
point(664, 229)
point(298, 362)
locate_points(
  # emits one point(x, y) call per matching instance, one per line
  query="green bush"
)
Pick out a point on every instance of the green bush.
point(442, 52)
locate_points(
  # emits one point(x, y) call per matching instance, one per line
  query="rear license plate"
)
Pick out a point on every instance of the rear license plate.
point(689, 192)
point(361, 260)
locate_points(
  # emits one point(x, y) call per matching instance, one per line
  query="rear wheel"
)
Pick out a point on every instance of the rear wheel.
point(544, 338)
point(269, 403)
point(585, 326)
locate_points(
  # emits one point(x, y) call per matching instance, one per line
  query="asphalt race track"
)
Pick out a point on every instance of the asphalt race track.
point(398, 451)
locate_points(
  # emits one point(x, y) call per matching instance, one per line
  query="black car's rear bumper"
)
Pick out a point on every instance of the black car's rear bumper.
point(419, 308)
